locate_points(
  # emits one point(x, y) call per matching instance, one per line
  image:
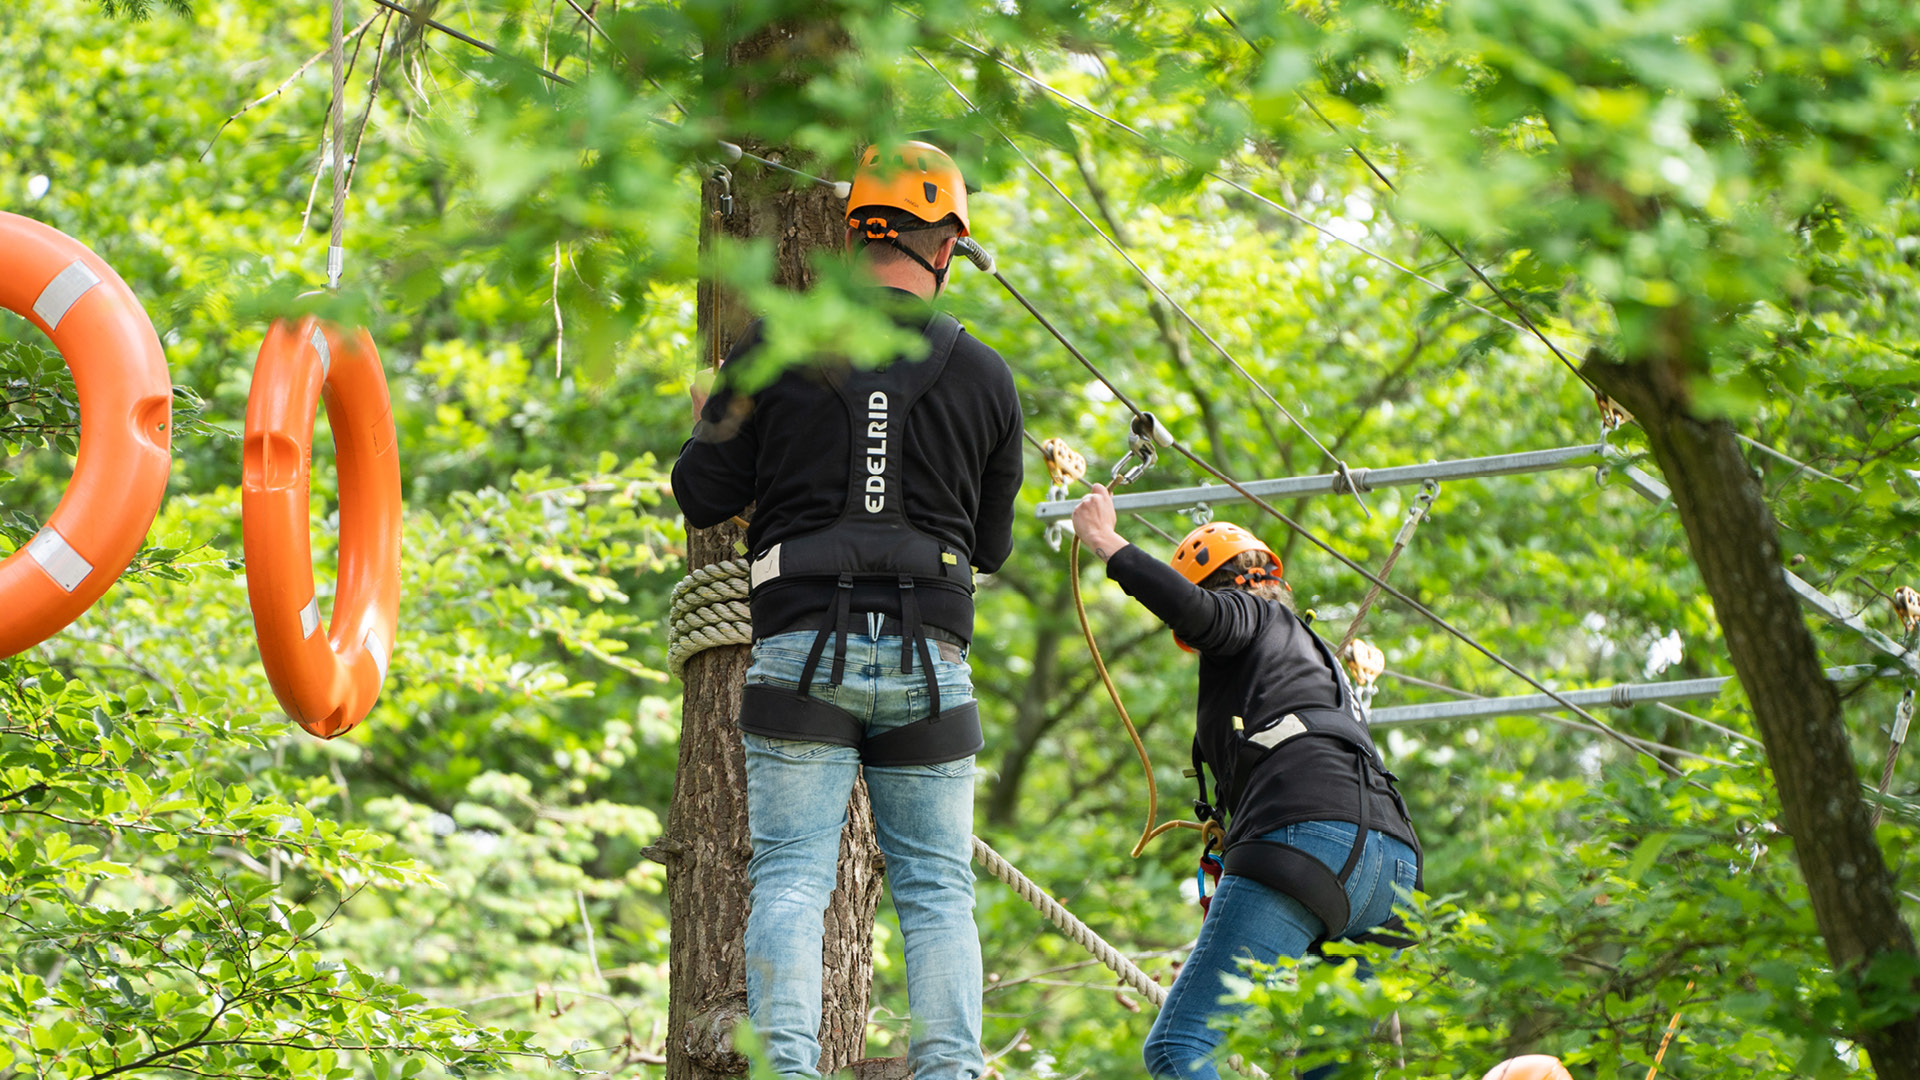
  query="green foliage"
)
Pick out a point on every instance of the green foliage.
point(1669, 898)
point(467, 874)
point(164, 900)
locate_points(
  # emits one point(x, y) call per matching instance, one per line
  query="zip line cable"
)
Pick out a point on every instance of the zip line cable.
point(1150, 526)
point(1184, 450)
point(1340, 465)
point(1242, 188)
point(986, 261)
point(1530, 327)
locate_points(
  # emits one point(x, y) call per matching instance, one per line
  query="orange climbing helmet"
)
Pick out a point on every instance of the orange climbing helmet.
point(1530, 1067)
point(1208, 548)
point(916, 177)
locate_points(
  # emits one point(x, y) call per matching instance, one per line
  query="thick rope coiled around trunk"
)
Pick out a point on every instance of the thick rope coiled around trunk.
point(709, 610)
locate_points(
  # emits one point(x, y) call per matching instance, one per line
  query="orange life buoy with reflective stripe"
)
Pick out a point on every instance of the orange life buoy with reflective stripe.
point(326, 681)
point(126, 429)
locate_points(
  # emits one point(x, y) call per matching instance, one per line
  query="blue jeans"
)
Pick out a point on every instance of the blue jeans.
point(1248, 919)
point(923, 817)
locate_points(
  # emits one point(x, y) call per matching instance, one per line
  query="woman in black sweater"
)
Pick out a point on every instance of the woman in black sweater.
point(1318, 842)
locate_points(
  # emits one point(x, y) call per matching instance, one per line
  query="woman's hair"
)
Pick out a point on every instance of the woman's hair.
point(1268, 586)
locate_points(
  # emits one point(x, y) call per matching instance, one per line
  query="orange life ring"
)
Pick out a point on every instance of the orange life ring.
point(329, 682)
point(126, 427)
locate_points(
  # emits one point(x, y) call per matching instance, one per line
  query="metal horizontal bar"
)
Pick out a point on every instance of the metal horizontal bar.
point(1331, 483)
point(1621, 696)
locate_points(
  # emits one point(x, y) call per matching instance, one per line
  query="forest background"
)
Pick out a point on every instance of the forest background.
point(195, 887)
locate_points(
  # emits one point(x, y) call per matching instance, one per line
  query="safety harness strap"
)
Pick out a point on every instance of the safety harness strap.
point(932, 740)
point(913, 634)
point(842, 605)
point(778, 713)
point(1287, 869)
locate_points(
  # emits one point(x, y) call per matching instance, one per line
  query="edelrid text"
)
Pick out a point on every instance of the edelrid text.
point(876, 452)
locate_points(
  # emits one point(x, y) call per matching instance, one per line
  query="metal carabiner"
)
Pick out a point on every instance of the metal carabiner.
point(1145, 435)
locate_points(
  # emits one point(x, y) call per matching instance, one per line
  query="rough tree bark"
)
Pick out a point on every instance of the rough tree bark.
point(706, 844)
point(1734, 541)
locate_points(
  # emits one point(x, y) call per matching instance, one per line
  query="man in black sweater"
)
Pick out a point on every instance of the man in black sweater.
point(1317, 840)
point(877, 494)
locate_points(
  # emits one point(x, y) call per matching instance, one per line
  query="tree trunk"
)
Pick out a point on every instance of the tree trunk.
point(706, 845)
point(1734, 541)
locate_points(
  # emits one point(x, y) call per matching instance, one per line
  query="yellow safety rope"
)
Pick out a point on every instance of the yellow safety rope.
point(1150, 830)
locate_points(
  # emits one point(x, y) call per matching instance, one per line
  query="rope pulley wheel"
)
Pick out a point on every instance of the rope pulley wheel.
point(126, 424)
point(1364, 662)
point(326, 682)
point(1064, 464)
point(1906, 604)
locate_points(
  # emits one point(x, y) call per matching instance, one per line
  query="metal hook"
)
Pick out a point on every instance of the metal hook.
point(1145, 435)
point(723, 176)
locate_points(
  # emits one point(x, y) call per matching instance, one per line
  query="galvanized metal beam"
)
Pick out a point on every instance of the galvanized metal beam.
point(1532, 461)
point(1622, 696)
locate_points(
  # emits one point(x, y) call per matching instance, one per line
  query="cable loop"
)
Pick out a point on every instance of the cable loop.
point(1350, 481)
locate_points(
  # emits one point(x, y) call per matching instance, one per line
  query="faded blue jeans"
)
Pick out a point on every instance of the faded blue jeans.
point(923, 817)
point(1248, 919)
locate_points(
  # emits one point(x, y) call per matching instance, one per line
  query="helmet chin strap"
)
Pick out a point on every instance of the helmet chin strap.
point(939, 275)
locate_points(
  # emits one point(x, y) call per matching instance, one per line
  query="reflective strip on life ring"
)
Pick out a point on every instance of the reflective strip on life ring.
point(325, 682)
point(126, 428)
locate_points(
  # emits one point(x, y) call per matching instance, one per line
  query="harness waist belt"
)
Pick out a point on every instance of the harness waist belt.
point(777, 713)
point(890, 626)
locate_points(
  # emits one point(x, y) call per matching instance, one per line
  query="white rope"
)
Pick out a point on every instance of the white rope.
point(1083, 935)
point(336, 255)
point(709, 610)
point(1069, 924)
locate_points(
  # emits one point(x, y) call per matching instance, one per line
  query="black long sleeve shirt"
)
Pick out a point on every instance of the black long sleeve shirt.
point(1259, 662)
point(785, 449)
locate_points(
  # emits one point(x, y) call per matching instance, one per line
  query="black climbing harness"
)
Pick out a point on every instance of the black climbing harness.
point(872, 542)
point(1283, 867)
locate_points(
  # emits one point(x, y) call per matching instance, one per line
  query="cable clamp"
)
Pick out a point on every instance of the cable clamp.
point(1201, 513)
point(336, 262)
point(1351, 481)
point(1059, 529)
point(723, 177)
point(1903, 717)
